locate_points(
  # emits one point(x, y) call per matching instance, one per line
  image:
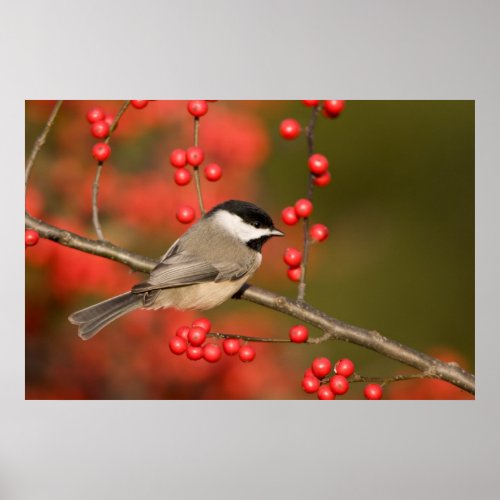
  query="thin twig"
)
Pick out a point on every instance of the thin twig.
point(333, 329)
point(301, 290)
point(40, 141)
point(95, 186)
point(247, 338)
point(196, 169)
point(386, 380)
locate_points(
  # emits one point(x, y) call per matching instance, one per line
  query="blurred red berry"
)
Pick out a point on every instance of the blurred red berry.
point(182, 332)
point(298, 334)
point(185, 214)
point(194, 353)
point(101, 151)
point(197, 335)
point(203, 323)
point(194, 156)
point(322, 180)
point(318, 232)
point(31, 237)
point(332, 109)
point(309, 373)
point(212, 353)
point(311, 102)
point(373, 391)
point(109, 119)
point(288, 216)
point(178, 158)
point(95, 115)
point(344, 367)
point(339, 384)
point(310, 384)
point(197, 108)
point(294, 273)
point(289, 128)
point(182, 177)
point(246, 353)
point(303, 207)
point(292, 257)
point(231, 346)
point(213, 172)
point(318, 164)
point(139, 104)
point(177, 345)
point(324, 392)
point(321, 367)
point(99, 129)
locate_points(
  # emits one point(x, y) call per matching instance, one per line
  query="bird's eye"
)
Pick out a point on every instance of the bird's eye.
point(256, 224)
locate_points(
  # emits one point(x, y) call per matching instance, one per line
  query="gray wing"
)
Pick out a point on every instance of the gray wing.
point(182, 269)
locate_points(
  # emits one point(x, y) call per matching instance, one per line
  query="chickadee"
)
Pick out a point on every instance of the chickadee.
point(206, 266)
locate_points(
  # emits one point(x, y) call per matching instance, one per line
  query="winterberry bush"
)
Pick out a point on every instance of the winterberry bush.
point(119, 181)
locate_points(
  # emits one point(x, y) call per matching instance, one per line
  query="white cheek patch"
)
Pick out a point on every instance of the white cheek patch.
point(233, 224)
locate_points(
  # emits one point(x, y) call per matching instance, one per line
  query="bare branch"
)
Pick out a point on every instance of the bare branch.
point(301, 291)
point(196, 169)
point(333, 328)
point(40, 141)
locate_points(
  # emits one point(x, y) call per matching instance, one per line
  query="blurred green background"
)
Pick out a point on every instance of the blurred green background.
point(400, 209)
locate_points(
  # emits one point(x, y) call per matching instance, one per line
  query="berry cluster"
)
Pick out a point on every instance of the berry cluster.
point(100, 126)
point(316, 379)
point(193, 156)
point(192, 342)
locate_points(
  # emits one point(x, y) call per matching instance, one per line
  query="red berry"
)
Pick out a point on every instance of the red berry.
point(322, 180)
point(194, 353)
point(298, 334)
point(289, 128)
point(333, 108)
point(197, 335)
point(294, 273)
point(177, 345)
point(292, 257)
point(194, 156)
point(318, 232)
point(185, 214)
point(203, 323)
point(318, 164)
point(99, 129)
point(182, 332)
point(95, 115)
point(324, 392)
point(246, 353)
point(231, 346)
point(182, 177)
point(31, 237)
point(213, 172)
point(373, 391)
point(339, 384)
point(344, 367)
point(197, 108)
point(289, 216)
point(309, 373)
point(212, 353)
point(311, 102)
point(310, 384)
point(321, 367)
point(139, 104)
point(178, 158)
point(109, 119)
point(101, 151)
point(303, 207)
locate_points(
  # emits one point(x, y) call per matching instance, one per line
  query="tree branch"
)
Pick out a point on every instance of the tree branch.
point(196, 169)
point(333, 329)
point(40, 141)
point(95, 187)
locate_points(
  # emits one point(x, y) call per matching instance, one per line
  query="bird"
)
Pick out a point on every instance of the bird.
point(205, 267)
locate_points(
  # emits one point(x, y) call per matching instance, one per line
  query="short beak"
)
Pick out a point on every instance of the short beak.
point(277, 232)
